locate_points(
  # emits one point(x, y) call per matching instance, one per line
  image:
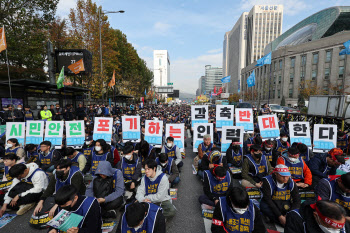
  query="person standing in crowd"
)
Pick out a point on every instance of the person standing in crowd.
point(48, 157)
point(280, 195)
point(266, 110)
point(80, 112)
point(173, 151)
point(58, 113)
point(108, 188)
point(13, 147)
point(28, 114)
point(99, 154)
point(236, 213)
point(68, 113)
point(45, 114)
point(52, 110)
point(169, 167)
point(19, 113)
point(67, 198)
point(11, 115)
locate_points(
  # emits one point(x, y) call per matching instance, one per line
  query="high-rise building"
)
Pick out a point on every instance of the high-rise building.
point(213, 76)
point(246, 42)
point(201, 85)
point(161, 64)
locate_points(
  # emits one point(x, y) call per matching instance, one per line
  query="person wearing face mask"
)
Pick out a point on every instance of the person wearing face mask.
point(337, 189)
point(65, 174)
point(267, 147)
point(282, 144)
point(173, 151)
point(131, 166)
point(305, 153)
point(234, 154)
point(154, 188)
point(57, 115)
point(236, 213)
point(108, 188)
point(323, 165)
point(322, 216)
point(48, 157)
point(255, 167)
point(301, 173)
point(216, 183)
point(67, 198)
point(99, 154)
point(280, 195)
point(77, 158)
point(142, 217)
point(28, 184)
point(13, 148)
point(169, 168)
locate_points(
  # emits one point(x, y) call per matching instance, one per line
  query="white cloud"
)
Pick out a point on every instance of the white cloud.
point(215, 51)
point(64, 6)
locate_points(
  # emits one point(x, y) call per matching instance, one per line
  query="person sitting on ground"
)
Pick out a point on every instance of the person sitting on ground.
point(146, 151)
point(208, 162)
point(217, 181)
point(9, 161)
point(205, 147)
point(301, 173)
point(48, 157)
point(28, 184)
point(142, 217)
point(108, 188)
point(65, 174)
point(87, 150)
point(32, 153)
point(343, 141)
point(267, 147)
point(77, 158)
point(280, 195)
point(322, 216)
point(336, 188)
point(68, 198)
point(154, 188)
point(282, 144)
point(305, 153)
point(99, 154)
point(234, 154)
point(253, 139)
point(13, 147)
point(324, 164)
point(131, 167)
point(255, 167)
point(236, 213)
point(169, 167)
point(173, 151)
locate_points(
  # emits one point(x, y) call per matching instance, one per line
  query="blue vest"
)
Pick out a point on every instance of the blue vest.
point(280, 147)
point(167, 169)
point(343, 143)
point(9, 151)
point(268, 155)
point(128, 169)
point(28, 116)
point(148, 222)
point(238, 157)
point(151, 187)
point(88, 151)
point(34, 153)
point(46, 159)
point(296, 170)
point(217, 187)
point(279, 194)
point(6, 173)
point(29, 179)
point(259, 169)
point(60, 184)
point(306, 156)
point(206, 150)
point(171, 153)
point(234, 222)
point(96, 159)
point(75, 159)
point(337, 197)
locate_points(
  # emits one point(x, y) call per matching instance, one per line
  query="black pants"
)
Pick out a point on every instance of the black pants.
point(27, 199)
point(113, 205)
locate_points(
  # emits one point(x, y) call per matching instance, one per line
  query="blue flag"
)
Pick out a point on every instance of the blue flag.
point(347, 48)
point(265, 60)
point(226, 79)
point(205, 92)
point(251, 80)
point(145, 92)
point(239, 86)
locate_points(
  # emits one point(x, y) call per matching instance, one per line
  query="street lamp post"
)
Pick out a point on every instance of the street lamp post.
point(99, 24)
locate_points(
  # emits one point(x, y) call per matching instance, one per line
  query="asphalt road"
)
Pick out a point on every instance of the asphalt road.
point(187, 219)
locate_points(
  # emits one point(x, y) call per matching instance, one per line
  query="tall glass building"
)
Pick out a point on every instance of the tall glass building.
point(213, 76)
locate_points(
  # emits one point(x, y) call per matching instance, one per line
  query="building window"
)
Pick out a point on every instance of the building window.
point(314, 74)
point(328, 56)
point(315, 58)
point(274, 80)
point(280, 64)
point(291, 93)
point(279, 79)
point(326, 73)
point(342, 57)
point(291, 77)
point(302, 75)
point(275, 66)
point(303, 60)
point(292, 62)
point(341, 72)
point(278, 93)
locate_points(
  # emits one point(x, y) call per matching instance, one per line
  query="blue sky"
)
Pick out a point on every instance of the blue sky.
point(191, 30)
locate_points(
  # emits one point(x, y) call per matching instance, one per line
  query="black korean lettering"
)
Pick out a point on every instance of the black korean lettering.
point(202, 131)
point(225, 112)
point(300, 130)
point(201, 113)
point(323, 134)
point(232, 133)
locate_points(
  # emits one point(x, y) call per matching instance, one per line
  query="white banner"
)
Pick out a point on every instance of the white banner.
point(199, 114)
point(154, 132)
point(244, 117)
point(54, 132)
point(300, 132)
point(103, 127)
point(224, 115)
point(325, 137)
point(268, 125)
point(229, 133)
point(15, 130)
point(131, 128)
point(75, 133)
point(177, 131)
point(34, 132)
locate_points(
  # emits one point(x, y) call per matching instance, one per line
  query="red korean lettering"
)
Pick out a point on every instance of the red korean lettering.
point(133, 122)
point(103, 125)
point(153, 128)
point(244, 116)
point(271, 123)
point(173, 132)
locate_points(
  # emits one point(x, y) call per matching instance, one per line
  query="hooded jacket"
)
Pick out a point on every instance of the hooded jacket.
point(318, 164)
point(105, 168)
point(162, 193)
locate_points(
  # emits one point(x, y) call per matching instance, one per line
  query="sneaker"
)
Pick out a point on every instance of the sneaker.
point(24, 208)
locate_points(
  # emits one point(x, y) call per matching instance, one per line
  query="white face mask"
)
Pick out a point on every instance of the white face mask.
point(8, 145)
point(163, 164)
point(19, 108)
point(284, 139)
point(240, 210)
point(169, 144)
point(268, 148)
point(328, 230)
point(293, 160)
point(128, 157)
point(87, 142)
point(97, 148)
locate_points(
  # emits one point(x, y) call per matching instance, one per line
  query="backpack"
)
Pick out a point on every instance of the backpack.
point(102, 187)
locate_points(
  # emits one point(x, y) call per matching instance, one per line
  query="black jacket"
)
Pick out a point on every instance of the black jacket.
point(296, 222)
point(230, 159)
point(205, 163)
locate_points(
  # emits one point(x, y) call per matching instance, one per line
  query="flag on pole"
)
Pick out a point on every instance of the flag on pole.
point(145, 92)
point(251, 80)
point(77, 67)
point(265, 60)
point(226, 79)
point(112, 82)
point(239, 86)
point(220, 91)
point(60, 79)
point(3, 44)
point(215, 89)
point(347, 48)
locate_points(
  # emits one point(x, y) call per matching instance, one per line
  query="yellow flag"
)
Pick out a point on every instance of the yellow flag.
point(3, 44)
point(112, 82)
point(77, 67)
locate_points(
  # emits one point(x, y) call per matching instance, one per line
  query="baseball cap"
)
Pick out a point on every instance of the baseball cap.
point(282, 170)
point(88, 138)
